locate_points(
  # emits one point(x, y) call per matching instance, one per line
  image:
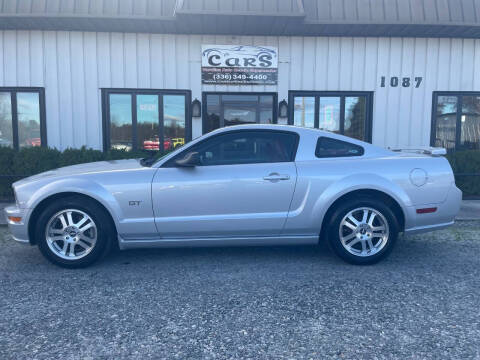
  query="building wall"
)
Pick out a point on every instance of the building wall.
point(74, 66)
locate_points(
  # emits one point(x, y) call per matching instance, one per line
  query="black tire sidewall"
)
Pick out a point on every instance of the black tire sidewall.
point(98, 215)
point(342, 210)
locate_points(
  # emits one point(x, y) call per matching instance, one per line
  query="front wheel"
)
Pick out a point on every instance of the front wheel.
point(363, 231)
point(74, 232)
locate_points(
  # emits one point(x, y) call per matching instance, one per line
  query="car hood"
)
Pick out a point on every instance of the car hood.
point(95, 167)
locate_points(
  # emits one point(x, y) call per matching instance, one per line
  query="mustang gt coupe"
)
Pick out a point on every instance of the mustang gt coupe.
point(240, 185)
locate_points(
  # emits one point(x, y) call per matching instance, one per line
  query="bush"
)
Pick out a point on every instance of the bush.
point(15, 165)
point(465, 165)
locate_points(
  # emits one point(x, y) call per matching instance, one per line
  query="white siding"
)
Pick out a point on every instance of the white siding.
point(74, 66)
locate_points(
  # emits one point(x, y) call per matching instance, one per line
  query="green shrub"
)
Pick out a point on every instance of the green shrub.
point(465, 165)
point(15, 165)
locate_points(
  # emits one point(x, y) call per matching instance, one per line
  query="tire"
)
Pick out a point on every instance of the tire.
point(363, 243)
point(90, 240)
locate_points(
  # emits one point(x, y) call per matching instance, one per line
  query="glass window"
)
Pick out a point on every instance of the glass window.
point(121, 121)
point(237, 114)
point(456, 121)
point(159, 120)
point(446, 122)
point(246, 147)
point(28, 112)
point(235, 109)
point(339, 112)
point(6, 128)
point(328, 147)
point(22, 126)
point(329, 116)
point(173, 121)
point(304, 111)
point(470, 123)
point(355, 117)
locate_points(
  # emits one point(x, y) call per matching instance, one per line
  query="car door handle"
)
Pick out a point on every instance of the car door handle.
point(276, 177)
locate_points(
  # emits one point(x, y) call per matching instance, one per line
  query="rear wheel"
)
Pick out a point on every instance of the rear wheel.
point(74, 232)
point(363, 231)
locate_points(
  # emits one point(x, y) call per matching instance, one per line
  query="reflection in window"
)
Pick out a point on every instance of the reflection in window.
point(6, 131)
point(470, 123)
point(446, 122)
point(345, 113)
point(304, 111)
point(121, 121)
point(173, 121)
point(158, 122)
point(329, 116)
point(457, 121)
point(28, 112)
point(22, 127)
point(147, 122)
point(355, 111)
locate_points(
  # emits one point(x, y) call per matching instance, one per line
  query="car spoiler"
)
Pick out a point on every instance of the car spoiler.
point(427, 150)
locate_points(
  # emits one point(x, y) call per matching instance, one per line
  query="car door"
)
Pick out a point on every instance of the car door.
point(242, 186)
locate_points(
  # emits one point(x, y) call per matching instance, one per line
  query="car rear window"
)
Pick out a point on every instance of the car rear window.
point(328, 147)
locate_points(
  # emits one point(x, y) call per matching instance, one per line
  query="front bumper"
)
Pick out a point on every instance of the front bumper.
point(19, 230)
point(440, 219)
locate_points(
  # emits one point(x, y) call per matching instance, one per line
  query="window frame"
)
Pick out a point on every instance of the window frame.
point(362, 152)
point(13, 101)
point(133, 92)
point(458, 118)
point(171, 162)
point(342, 94)
point(220, 93)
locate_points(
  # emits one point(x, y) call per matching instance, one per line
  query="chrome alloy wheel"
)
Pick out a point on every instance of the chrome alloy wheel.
point(364, 232)
point(71, 234)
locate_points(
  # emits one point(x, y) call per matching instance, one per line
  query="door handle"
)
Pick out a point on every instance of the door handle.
point(276, 177)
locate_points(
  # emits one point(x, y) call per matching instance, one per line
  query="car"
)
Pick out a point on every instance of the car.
point(240, 185)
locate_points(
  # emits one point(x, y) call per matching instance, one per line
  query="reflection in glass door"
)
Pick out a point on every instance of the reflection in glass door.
point(338, 112)
point(158, 122)
point(225, 109)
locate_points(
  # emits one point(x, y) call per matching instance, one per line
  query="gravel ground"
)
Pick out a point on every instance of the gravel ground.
point(239, 303)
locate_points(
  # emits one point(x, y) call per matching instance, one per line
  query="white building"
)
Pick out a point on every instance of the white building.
point(124, 73)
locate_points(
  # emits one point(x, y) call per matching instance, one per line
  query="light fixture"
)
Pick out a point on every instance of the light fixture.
point(282, 109)
point(196, 108)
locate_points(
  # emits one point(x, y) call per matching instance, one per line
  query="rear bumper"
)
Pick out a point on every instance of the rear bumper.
point(443, 217)
point(18, 230)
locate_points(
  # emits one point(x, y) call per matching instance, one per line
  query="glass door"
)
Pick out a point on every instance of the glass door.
point(225, 109)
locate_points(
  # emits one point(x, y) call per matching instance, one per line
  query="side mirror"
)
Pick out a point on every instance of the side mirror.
point(191, 159)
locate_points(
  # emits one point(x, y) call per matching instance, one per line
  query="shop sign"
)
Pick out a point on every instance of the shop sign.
point(239, 64)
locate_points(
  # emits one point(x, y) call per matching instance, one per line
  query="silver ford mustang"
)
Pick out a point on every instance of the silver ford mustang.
point(241, 185)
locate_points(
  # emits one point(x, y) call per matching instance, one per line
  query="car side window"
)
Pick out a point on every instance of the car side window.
point(328, 147)
point(245, 147)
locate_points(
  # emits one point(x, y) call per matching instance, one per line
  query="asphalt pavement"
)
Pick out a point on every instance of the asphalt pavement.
point(246, 303)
